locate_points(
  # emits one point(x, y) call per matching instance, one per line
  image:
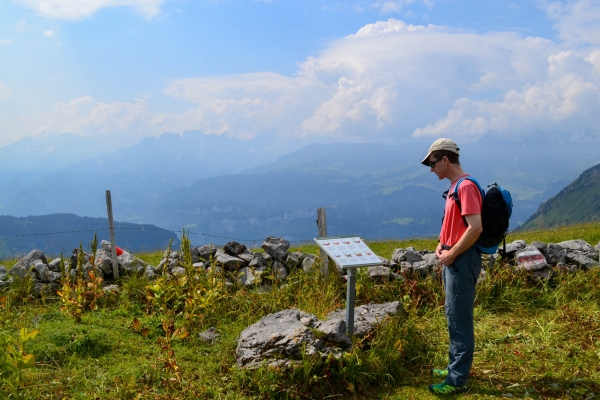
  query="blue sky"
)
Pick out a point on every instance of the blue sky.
point(319, 70)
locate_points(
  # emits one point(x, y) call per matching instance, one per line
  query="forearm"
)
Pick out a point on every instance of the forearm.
point(468, 239)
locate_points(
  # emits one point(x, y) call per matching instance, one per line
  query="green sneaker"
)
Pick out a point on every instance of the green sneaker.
point(445, 388)
point(439, 373)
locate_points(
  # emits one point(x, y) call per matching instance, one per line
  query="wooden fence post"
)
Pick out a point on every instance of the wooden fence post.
point(322, 226)
point(111, 228)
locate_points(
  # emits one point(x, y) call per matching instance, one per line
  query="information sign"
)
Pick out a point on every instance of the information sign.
point(348, 252)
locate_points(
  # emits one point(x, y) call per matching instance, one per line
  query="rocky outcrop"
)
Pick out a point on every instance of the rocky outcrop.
point(283, 338)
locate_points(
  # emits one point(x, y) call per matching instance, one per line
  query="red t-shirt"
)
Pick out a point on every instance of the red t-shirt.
point(453, 226)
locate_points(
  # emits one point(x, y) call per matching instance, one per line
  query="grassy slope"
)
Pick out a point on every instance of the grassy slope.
point(541, 341)
point(576, 203)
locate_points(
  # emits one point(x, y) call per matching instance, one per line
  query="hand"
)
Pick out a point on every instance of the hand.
point(447, 257)
point(438, 250)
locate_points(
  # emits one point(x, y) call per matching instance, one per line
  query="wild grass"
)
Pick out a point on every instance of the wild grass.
point(535, 340)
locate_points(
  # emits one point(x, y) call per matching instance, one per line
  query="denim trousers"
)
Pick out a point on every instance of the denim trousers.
point(459, 283)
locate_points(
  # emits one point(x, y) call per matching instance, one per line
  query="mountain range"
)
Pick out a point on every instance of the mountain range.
point(221, 188)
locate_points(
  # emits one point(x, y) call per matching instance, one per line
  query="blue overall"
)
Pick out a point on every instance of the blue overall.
point(459, 282)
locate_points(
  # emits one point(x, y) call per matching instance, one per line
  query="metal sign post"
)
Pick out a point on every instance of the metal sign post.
point(349, 253)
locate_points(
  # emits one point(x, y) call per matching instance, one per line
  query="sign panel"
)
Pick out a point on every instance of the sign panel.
point(348, 252)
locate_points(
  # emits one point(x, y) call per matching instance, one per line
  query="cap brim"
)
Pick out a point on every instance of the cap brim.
point(425, 161)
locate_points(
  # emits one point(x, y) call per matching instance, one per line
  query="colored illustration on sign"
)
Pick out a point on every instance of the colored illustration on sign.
point(349, 252)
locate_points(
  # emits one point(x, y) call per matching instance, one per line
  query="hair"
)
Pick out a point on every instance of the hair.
point(452, 157)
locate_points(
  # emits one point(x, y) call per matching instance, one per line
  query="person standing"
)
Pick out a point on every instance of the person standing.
point(461, 262)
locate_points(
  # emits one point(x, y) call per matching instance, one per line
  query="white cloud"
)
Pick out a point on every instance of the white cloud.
point(5, 41)
point(395, 6)
point(79, 9)
point(387, 7)
point(5, 92)
point(564, 98)
point(388, 80)
point(566, 101)
point(577, 22)
point(83, 116)
point(49, 33)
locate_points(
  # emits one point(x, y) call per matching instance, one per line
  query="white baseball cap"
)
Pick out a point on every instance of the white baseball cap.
point(440, 144)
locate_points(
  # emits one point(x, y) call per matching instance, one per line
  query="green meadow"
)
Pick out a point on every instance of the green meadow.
point(536, 340)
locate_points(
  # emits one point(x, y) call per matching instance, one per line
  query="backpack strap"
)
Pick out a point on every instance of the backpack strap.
point(454, 194)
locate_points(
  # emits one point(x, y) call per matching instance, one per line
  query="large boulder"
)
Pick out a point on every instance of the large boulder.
point(283, 338)
point(276, 247)
point(367, 317)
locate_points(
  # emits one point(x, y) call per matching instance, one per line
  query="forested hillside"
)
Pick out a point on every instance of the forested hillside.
point(58, 233)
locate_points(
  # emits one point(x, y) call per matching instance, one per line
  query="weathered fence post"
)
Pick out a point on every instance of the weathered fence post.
point(111, 228)
point(322, 226)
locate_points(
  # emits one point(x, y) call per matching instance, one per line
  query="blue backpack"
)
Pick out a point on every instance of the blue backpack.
point(495, 215)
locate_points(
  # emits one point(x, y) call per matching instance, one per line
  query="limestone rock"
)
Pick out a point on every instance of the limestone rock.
point(512, 248)
point(280, 339)
point(104, 260)
point(581, 260)
point(292, 261)
point(234, 248)
point(410, 255)
point(279, 271)
point(530, 259)
point(247, 277)
point(54, 265)
point(210, 335)
point(576, 245)
point(367, 317)
point(228, 262)
point(257, 260)
point(379, 273)
point(554, 254)
point(543, 275)
point(276, 247)
point(23, 266)
point(130, 264)
point(203, 252)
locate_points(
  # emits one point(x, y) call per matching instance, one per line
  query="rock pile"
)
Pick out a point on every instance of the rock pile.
point(239, 262)
point(276, 263)
point(46, 275)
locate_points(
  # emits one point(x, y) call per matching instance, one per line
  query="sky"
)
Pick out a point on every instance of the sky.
point(358, 70)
